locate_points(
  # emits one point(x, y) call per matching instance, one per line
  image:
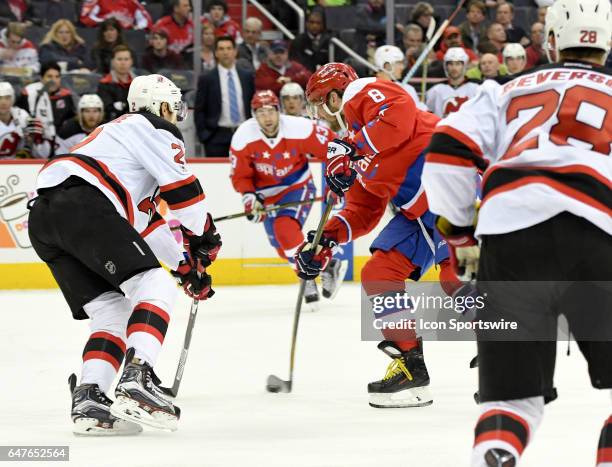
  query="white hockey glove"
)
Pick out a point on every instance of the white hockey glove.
point(463, 247)
point(254, 206)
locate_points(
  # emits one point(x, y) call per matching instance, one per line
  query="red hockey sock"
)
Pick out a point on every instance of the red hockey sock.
point(386, 271)
point(604, 448)
point(289, 236)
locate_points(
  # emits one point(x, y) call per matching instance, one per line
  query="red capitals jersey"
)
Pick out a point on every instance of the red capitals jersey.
point(179, 37)
point(274, 166)
point(391, 132)
point(129, 13)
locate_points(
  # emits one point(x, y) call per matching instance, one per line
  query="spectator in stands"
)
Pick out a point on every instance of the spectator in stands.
point(20, 11)
point(370, 28)
point(412, 40)
point(208, 48)
point(542, 14)
point(279, 70)
point(473, 29)
point(109, 36)
point(496, 39)
point(536, 55)
point(63, 44)
point(58, 9)
point(452, 38)
point(48, 101)
point(515, 58)
point(311, 48)
point(253, 49)
point(178, 26)
point(113, 88)
point(158, 55)
point(504, 16)
point(488, 68)
point(216, 14)
point(17, 54)
point(223, 99)
point(131, 14)
point(422, 14)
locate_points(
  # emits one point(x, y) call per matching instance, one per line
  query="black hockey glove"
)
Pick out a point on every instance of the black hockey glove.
point(339, 174)
point(310, 263)
point(203, 247)
point(194, 280)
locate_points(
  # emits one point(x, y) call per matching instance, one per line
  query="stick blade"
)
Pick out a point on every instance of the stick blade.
point(167, 391)
point(275, 384)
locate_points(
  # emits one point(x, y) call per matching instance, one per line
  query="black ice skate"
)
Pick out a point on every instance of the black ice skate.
point(332, 277)
point(499, 458)
point(406, 383)
point(139, 399)
point(91, 414)
point(311, 296)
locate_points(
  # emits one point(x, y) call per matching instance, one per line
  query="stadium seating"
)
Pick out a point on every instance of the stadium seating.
point(81, 83)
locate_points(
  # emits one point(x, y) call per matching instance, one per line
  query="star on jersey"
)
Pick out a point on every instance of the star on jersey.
point(266, 155)
point(351, 134)
point(286, 155)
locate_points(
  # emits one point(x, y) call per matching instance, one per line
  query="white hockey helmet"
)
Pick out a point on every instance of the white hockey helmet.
point(6, 89)
point(387, 54)
point(514, 50)
point(455, 54)
point(90, 101)
point(148, 92)
point(292, 89)
point(579, 23)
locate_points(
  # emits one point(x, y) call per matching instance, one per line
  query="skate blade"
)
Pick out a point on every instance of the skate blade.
point(129, 409)
point(415, 397)
point(89, 427)
point(340, 280)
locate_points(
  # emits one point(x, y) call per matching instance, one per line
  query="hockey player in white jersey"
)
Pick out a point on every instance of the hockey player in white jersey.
point(515, 58)
point(90, 116)
point(391, 63)
point(20, 136)
point(292, 100)
point(445, 98)
point(96, 226)
point(546, 215)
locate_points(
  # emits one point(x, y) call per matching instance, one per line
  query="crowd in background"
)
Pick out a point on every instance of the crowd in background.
point(235, 61)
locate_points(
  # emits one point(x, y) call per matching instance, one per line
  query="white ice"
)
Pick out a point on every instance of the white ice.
point(243, 335)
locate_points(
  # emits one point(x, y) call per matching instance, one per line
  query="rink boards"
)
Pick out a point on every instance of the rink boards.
point(246, 256)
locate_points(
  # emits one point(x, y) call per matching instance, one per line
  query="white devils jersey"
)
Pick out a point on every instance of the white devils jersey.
point(135, 160)
point(546, 138)
point(443, 99)
point(12, 137)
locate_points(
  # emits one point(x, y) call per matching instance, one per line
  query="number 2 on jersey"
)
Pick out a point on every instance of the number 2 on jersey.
point(583, 115)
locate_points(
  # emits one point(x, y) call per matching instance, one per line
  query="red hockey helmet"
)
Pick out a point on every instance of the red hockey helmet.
point(330, 77)
point(262, 98)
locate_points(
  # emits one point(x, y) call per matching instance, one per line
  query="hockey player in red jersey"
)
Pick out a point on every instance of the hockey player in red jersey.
point(545, 224)
point(270, 166)
point(387, 135)
point(96, 225)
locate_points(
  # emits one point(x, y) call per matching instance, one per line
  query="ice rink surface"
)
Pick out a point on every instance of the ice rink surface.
point(228, 419)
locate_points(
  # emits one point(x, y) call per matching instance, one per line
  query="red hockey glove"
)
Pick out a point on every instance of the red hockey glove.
point(204, 247)
point(194, 280)
point(339, 174)
point(310, 262)
point(254, 207)
point(463, 248)
point(35, 130)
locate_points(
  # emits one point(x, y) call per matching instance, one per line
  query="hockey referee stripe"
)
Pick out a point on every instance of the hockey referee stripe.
point(183, 193)
point(150, 319)
point(502, 425)
point(581, 186)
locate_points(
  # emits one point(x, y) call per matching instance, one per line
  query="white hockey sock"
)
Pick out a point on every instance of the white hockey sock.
point(507, 425)
point(152, 294)
point(105, 348)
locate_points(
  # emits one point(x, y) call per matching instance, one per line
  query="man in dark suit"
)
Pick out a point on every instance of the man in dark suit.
point(223, 99)
point(311, 48)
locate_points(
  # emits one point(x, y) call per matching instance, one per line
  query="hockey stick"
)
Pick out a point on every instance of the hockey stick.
point(432, 42)
point(275, 384)
point(271, 208)
point(173, 391)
